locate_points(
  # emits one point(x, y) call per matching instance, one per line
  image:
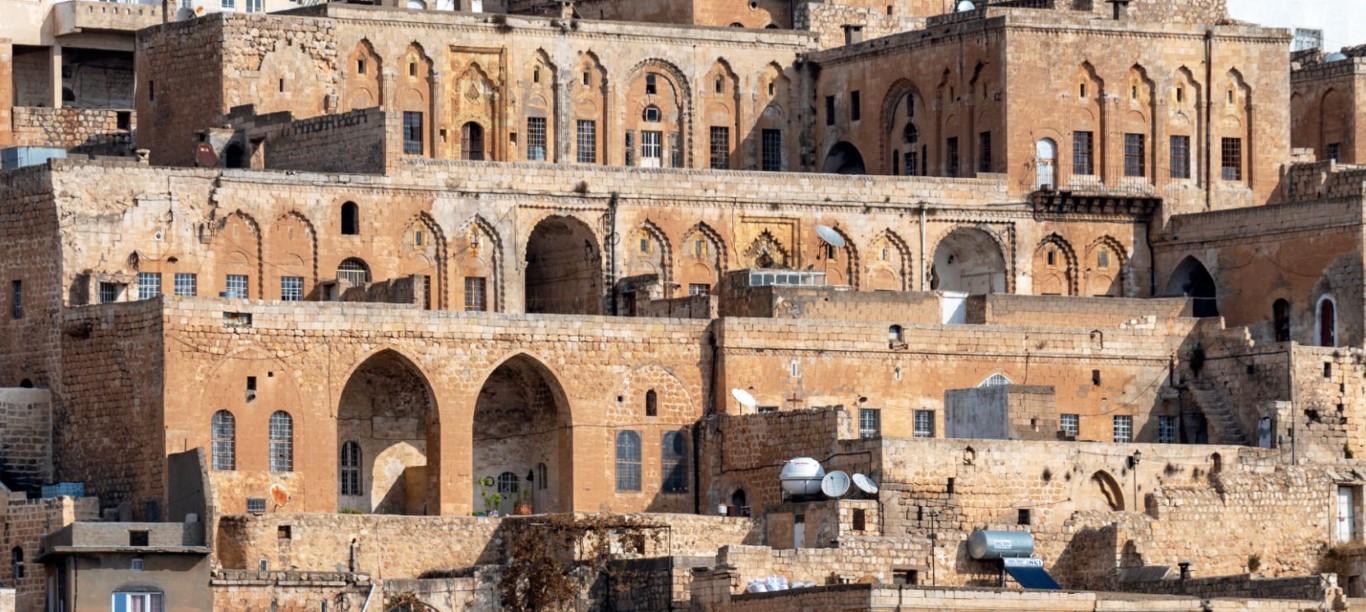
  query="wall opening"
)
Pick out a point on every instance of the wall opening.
point(563, 269)
point(1192, 280)
point(387, 437)
point(522, 426)
point(968, 260)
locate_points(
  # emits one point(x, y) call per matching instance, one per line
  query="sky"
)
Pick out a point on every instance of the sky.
point(1343, 21)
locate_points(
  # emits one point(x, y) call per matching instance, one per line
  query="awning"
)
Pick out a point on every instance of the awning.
point(1030, 574)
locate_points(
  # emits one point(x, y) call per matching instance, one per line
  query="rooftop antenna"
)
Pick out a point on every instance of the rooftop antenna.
point(743, 397)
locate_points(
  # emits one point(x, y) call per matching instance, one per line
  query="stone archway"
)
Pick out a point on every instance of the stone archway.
point(388, 439)
point(1193, 280)
point(844, 158)
point(969, 260)
point(563, 268)
point(522, 427)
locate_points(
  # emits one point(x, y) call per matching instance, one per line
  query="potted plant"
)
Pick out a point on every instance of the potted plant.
point(523, 505)
point(491, 500)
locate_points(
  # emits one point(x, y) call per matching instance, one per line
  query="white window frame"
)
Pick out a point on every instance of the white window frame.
point(869, 422)
point(651, 148)
point(1070, 424)
point(1167, 429)
point(923, 422)
point(149, 285)
point(186, 284)
point(123, 601)
point(1127, 429)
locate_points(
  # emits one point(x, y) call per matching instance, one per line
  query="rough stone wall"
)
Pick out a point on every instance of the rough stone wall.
point(1326, 103)
point(289, 591)
point(830, 20)
point(176, 96)
point(347, 142)
point(25, 522)
point(26, 436)
point(747, 452)
point(1323, 181)
point(29, 224)
point(78, 130)
point(1099, 313)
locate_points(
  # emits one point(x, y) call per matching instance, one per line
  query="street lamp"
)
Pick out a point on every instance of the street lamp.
point(1134, 460)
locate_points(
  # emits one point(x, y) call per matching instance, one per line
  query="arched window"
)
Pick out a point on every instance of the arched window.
point(911, 134)
point(472, 142)
point(16, 559)
point(995, 380)
point(651, 403)
point(910, 106)
point(350, 468)
point(739, 501)
point(628, 461)
point(1327, 323)
point(542, 477)
point(673, 462)
point(508, 485)
point(281, 442)
point(224, 441)
point(350, 219)
point(354, 272)
point(1280, 320)
point(652, 114)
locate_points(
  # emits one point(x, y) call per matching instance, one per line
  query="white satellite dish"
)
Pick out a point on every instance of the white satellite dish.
point(865, 484)
point(966, 5)
point(835, 484)
point(200, 7)
point(743, 397)
point(184, 14)
point(830, 236)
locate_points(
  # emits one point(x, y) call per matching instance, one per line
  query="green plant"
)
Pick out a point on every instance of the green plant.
point(524, 495)
point(350, 511)
point(581, 188)
point(553, 560)
point(491, 500)
point(1254, 563)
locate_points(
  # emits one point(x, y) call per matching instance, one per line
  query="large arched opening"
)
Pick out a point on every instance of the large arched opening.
point(844, 158)
point(1192, 280)
point(388, 439)
point(523, 439)
point(968, 261)
point(563, 268)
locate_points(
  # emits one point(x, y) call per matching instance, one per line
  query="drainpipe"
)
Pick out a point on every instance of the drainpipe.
point(612, 252)
point(1209, 113)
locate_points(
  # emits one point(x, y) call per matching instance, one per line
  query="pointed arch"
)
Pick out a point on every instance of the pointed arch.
point(540, 101)
point(424, 248)
point(1107, 267)
point(661, 84)
point(1055, 266)
point(388, 386)
point(238, 246)
point(903, 115)
point(483, 242)
point(589, 109)
point(888, 255)
point(847, 269)
point(1192, 279)
point(701, 259)
point(972, 259)
point(363, 84)
point(766, 251)
point(521, 419)
point(653, 255)
point(284, 249)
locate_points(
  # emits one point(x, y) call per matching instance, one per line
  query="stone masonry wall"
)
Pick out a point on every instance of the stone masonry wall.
point(25, 522)
point(79, 130)
point(26, 436)
point(348, 142)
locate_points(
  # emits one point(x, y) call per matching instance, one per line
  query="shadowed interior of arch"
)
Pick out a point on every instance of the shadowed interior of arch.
point(386, 437)
point(563, 269)
point(970, 261)
point(522, 438)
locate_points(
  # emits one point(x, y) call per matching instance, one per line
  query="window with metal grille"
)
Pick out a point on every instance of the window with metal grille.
point(1083, 153)
point(676, 150)
point(149, 285)
point(720, 147)
point(984, 152)
point(236, 286)
point(350, 468)
point(292, 288)
point(651, 84)
point(924, 423)
point(830, 110)
point(1181, 157)
point(673, 460)
point(855, 110)
point(1070, 424)
point(1134, 158)
point(1231, 159)
point(354, 272)
point(911, 163)
point(1334, 151)
point(630, 148)
point(995, 380)
point(186, 284)
point(772, 150)
point(412, 133)
point(253, 6)
point(109, 292)
point(1124, 429)
point(281, 442)
point(952, 146)
point(224, 441)
point(1166, 429)
point(586, 142)
point(651, 147)
point(426, 292)
point(699, 289)
point(652, 114)
point(628, 461)
point(474, 294)
point(17, 299)
point(869, 422)
point(508, 484)
point(535, 138)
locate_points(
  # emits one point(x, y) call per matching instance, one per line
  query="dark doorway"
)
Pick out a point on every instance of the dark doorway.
point(1192, 280)
point(472, 142)
point(563, 269)
point(844, 158)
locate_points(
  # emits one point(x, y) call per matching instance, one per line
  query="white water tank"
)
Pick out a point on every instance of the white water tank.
point(802, 476)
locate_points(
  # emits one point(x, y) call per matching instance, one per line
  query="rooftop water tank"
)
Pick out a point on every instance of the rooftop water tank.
point(984, 544)
point(802, 476)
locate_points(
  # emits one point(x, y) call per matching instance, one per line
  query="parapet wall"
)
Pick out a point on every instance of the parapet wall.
point(1325, 180)
point(353, 142)
point(80, 130)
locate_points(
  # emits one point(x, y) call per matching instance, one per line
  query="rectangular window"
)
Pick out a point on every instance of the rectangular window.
point(292, 288)
point(186, 284)
point(651, 148)
point(1231, 159)
point(1181, 157)
point(1134, 155)
point(474, 294)
point(699, 289)
point(628, 461)
point(1083, 156)
point(1166, 429)
point(952, 169)
point(139, 602)
point(869, 422)
point(984, 152)
point(674, 462)
point(830, 110)
point(253, 6)
point(236, 287)
point(1070, 424)
point(1124, 429)
point(587, 142)
point(911, 165)
point(1334, 151)
point(630, 148)
point(676, 150)
point(772, 150)
point(720, 148)
point(924, 423)
point(855, 110)
point(412, 133)
point(109, 292)
point(17, 299)
point(228, 5)
point(149, 285)
point(535, 138)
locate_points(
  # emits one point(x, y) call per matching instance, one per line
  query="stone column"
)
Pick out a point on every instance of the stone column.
point(56, 71)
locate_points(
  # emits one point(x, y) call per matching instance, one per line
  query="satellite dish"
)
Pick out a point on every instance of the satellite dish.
point(865, 484)
point(743, 397)
point(830, 236)
point(1335, 57)
point(199, 7)
point(279, 495)
point(184, 14)
point(835, 484)
point(204, 156)
point(966, 5)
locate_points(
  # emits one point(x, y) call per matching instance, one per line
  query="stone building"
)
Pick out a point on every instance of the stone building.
point(386, 268)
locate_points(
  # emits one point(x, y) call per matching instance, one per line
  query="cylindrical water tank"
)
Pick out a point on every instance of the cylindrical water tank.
point(1000, 544)
point(802, 476)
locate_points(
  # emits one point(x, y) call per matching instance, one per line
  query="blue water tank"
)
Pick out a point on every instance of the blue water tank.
point(984, 544)
point(18, 157)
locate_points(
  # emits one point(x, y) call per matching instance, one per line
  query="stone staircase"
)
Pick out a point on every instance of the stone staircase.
point(1223, 425)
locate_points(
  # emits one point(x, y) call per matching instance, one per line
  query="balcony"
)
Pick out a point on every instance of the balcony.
point(81, 15)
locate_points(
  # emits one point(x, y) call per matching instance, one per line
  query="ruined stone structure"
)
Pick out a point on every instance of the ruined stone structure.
point(1036, 265)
